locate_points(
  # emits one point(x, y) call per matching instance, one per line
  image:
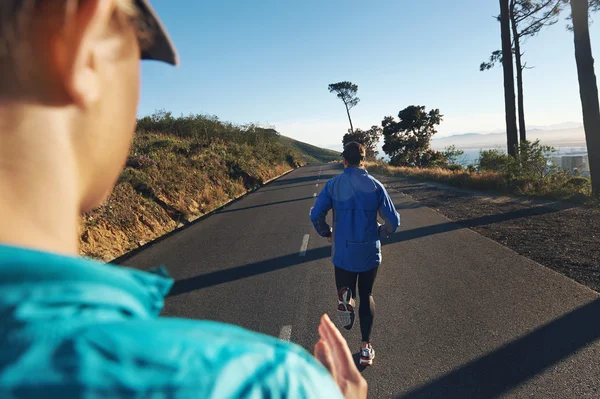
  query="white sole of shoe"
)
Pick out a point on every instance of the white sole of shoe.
point(367, 362)
point(346, 317)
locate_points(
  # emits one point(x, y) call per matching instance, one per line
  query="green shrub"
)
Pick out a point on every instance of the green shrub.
point(578, 182)
point(524, 172)
point(453, 155)
point(533, 159)
point(495, 160)
point(138, 180)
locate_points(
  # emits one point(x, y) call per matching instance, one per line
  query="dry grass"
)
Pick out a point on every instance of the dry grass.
point(487, 180)
point(170, 180)
point(557, 186)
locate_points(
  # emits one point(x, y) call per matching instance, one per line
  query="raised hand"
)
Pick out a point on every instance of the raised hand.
point(333, 352)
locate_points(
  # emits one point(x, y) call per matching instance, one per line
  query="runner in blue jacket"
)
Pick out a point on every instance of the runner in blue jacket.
point(356, 199)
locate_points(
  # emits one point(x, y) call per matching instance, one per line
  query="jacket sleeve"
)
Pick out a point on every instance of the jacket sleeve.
point(319, 212)
point(388, 213)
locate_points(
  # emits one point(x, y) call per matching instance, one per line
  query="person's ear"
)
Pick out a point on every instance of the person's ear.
point(88, 22)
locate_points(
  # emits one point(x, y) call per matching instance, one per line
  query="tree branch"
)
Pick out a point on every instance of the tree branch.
point(535, 10)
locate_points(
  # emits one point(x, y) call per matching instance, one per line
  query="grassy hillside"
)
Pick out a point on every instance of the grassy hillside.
point(180, 169)
point(310, 153)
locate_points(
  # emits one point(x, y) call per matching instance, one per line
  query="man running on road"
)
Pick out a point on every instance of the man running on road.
point(356, 199)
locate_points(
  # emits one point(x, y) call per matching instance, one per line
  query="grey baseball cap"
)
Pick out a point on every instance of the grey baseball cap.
point(160, 47)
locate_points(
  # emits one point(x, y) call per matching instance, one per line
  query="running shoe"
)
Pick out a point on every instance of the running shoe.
point(367, 355)
point(346, 308)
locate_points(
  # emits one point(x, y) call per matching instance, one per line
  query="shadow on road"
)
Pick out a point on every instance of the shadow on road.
point(419, 232)
point(249, 270)
point(500, 371)
point(263, 205)
point(282, 262)
point(307, 179)
point(408, 205)
point(356, 358)
point(266, 189)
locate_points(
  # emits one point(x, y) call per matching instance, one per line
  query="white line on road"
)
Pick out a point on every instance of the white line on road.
point(314, 195)
point(304, 245)
point(286, 333)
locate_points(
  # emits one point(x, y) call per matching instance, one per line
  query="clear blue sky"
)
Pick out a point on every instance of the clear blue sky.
point(270, 61)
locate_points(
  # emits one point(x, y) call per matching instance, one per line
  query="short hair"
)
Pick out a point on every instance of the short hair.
point(354, 153)
point(15, 27)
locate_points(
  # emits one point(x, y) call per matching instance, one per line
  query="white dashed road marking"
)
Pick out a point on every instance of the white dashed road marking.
point(286, 333)
point(304, 245)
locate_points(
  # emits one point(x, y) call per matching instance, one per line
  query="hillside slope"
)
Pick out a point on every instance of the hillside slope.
point(181, 168)
point(310, 153)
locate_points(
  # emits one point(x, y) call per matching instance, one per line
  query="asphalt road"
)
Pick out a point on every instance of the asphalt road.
point(457, 315)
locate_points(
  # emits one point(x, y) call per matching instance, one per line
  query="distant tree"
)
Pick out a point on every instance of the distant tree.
point(407, 142)
point(512, 136)
point(527, 18)
point(346, 91)
point(453, 155)
point(588, 87)
point(369, 138)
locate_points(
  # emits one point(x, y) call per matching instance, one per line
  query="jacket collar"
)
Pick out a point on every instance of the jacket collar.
point(79, 281)
point(355, 169)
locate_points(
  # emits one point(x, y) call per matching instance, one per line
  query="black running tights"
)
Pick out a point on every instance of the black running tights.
point(366, 310)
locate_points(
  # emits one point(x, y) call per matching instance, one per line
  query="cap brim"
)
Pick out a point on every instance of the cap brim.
point(161, 47)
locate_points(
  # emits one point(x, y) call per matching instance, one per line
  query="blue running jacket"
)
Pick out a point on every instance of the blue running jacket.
point(74, 328)
point(357, 199)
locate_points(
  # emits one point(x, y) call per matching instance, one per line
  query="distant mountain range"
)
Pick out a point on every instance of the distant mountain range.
point(559, 126)
point(569, 134)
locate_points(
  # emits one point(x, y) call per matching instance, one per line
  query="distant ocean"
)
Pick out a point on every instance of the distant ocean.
point(471, 156)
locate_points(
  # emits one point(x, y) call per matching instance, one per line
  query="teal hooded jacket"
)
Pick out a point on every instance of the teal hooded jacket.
point(74, 328)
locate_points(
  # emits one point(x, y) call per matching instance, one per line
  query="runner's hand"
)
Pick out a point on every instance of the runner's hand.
point(333, 352)
point(329, 239)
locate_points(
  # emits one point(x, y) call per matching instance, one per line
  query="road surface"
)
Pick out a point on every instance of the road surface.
point(457, 315)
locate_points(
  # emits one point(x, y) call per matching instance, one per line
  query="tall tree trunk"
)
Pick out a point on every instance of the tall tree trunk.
point(512, 136)
point(350, 119)
point(519, 64)
point(588, 88)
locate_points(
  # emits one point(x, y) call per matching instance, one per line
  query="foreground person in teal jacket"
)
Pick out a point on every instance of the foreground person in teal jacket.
point(356, 199)
point(72, 328)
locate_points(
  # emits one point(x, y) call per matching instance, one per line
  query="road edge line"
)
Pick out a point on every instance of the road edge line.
point(120, 259)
